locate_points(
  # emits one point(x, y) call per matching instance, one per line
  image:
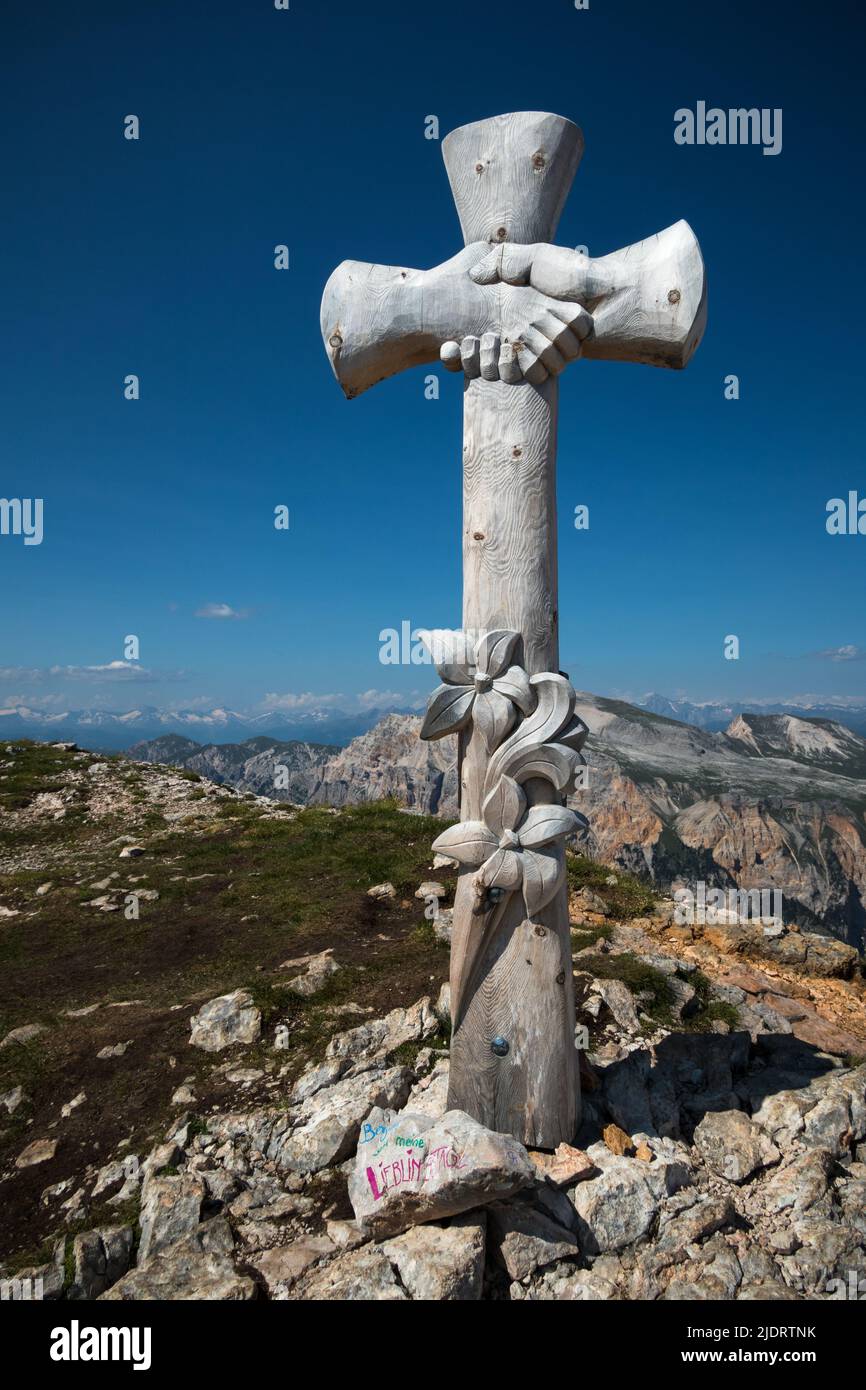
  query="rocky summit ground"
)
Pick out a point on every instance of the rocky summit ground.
point(224, 1034)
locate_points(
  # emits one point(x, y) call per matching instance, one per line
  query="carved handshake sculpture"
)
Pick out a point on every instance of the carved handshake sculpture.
point(513, 313)
point(543, 329)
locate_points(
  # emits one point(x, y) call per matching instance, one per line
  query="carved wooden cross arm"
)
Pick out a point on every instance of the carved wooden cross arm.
point(517, 312)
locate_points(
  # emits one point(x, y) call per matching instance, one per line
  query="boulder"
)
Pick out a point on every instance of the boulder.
point(12, 1099)
point(40, 1151)
point(441, 1263)
point(828, 1124)
point(826, 1036)
point(585, 900)
point(330, 1121)
point(382, 1035)
point(733, 1146)
point(99, 1259)
point(197, 1268)
point(230, 1020)
point(618, 1140)
point(411, 1168)
point(318, 969)
point(45, 1282)
point(364, 1275)
point(615, 1209)
point(696, 1223)
point(430, 889)
point(620, 1000)
point(525, 1239)
point(25, 1034)
point(800, 1184)
point(283, 1265)
point(429, 1096)
point(830, 958)
point(382, 892)
point(170, 1209)
point(564, 1167)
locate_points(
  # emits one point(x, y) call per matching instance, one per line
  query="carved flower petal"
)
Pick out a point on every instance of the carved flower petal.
point(555, 705)
point(542, 875)
point(494, 650)
point(514, 684)
point(503, 869)
point(449, 709)
point(456, 672)
point(451, 653)
point(469, 842)
point(549, 761)
point(544, 824)
point(574, 734)
point(504, 806)
point(493, 715)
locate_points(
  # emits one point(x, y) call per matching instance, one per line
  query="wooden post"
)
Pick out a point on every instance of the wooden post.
point(511, 981)
point(509, 312)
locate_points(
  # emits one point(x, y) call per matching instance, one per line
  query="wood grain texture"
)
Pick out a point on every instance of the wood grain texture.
point(510, 175)
point(511, 977)
point(509, 515)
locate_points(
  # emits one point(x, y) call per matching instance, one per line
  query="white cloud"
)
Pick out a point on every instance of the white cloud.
point(46, 702)
point(364, 700)
point(97, 674)
point(391, 699)
point(305, 700)
point(846, 653)
point(220, 610)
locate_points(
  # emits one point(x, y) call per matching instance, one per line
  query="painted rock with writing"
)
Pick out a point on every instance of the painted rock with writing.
point(411, 1168)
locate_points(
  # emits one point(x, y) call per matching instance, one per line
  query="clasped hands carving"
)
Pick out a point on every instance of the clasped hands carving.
point(540, 325)
point(514, 845)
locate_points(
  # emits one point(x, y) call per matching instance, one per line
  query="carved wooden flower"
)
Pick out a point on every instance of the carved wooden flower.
point(480, 686)
point(508, 844)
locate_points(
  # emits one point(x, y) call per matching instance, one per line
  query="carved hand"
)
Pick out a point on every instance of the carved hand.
point(538, 336)
point(377, 320)
point(517, 312)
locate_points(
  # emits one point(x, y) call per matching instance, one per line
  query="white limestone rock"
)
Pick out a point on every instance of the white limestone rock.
point(197, 1267)
point(411, 1168)
point(170, 1209)
point(329, 1122)
point(733, 1146)
point(230, 1020)
point(382, 1035)
point(441, 1263)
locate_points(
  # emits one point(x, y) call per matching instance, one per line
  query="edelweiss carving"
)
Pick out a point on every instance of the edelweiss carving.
point(479, 685)
point(515, 845)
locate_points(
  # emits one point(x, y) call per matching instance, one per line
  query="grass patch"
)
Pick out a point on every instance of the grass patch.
point(582, 937)
point(658, 994)
point(710, 1010)
point(641, 979)
point(407, 1053)
point(628, 897)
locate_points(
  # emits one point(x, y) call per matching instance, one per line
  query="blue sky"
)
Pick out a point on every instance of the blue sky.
point(306, 127)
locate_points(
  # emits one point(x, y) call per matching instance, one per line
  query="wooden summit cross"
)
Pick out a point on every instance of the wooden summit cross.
point(510, 311)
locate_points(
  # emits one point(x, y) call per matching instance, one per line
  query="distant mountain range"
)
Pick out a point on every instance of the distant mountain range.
point(773, 802)
point(288, 770)
point(717, 715)
point(111, 731)
point(105, 730)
